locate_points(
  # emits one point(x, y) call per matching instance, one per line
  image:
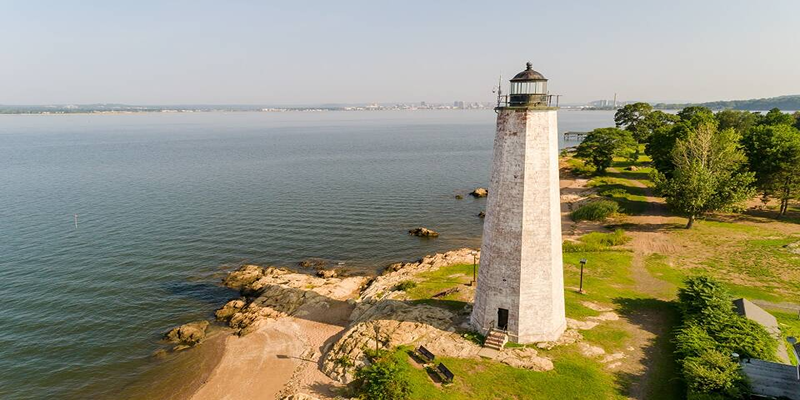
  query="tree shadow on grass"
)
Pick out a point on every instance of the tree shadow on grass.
point(660, 378)
point(766, 216)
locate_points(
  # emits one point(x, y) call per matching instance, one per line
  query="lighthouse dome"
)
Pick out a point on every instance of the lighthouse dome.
point(528, 75)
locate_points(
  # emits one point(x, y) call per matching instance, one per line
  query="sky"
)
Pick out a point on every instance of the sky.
point(318, 52)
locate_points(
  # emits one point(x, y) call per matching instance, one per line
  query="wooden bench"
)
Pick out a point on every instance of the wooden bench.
point(425, 354)
point(446, 373)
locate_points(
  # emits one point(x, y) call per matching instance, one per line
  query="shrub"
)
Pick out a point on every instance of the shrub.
point(704, 297)
point(383, 379)
point(597, 241)
point(713, 374)
point(596, 210)
point(710, 333)
point(405, 285)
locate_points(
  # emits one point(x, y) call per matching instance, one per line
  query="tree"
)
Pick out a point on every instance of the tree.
point(382, 379)
point(632, 118)
point(773, 153)
point(709, 173)
point(601, 146)
point(740, 121)
point(661, 144)
point(776, 117)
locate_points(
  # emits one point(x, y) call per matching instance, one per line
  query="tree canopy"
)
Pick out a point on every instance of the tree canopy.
point(601, 146)
point(662, 142)
point(773, 152)
point(709, 172)
point(641, 121)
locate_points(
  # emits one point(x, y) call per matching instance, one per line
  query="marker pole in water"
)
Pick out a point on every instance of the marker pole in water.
point(76, 221)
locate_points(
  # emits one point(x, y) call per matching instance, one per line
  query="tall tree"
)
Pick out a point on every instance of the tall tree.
point(601, 146)
point(773, 153)
point(662, 142)
point(633, 118)
point(777, 117)
point(709, 173)
point(741, 121)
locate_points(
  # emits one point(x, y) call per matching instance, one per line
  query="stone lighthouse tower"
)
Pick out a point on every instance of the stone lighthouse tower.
point(521, 281)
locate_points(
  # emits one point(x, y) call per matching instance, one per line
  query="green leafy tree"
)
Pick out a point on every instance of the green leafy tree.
point(777, 117)
point(601, 146)
point(709, 173)
point(633, 118)
point(740, 121)
point(796, 116)
point(383, 379)
point(696, 114)
point(773, 153)
point(661, 144)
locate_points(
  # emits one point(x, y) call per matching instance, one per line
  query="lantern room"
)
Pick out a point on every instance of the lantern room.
point(528, 88)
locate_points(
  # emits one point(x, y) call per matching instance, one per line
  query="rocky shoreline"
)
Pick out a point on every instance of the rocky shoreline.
point(372, 312)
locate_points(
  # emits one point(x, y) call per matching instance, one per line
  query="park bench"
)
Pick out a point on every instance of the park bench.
point(446, 373)
point(425, 354)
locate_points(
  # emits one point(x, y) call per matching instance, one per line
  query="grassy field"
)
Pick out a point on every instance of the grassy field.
point(486, 379)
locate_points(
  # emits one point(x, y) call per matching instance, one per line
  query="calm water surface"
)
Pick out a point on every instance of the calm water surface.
point(167, 202)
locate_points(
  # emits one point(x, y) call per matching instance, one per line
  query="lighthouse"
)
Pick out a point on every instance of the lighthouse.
point(520, 288)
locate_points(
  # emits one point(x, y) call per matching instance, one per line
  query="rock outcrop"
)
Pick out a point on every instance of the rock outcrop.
point(423, 232)
point(479, 192)
point(276, 292)
point(187, 334)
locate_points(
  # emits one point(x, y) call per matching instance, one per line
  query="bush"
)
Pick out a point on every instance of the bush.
point(714, 373)
point(597, 241)
point(596, 210)
point(383, 379)
point(710, 333)
point(405, 285)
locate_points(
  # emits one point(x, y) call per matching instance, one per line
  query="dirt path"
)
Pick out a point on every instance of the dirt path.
point(648, 321)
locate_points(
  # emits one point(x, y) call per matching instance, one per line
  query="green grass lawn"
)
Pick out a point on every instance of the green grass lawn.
point(750, 259)
point(619, 185)
point(574, 375)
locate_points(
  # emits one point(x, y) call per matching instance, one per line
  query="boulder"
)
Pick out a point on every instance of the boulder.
point(245, 275)
point(459, 197)
point(327, 273)
point(482, 214)
point(312, 263)
point(479, 192)
point(187, 334)
point(423, 232)
point(229, 309)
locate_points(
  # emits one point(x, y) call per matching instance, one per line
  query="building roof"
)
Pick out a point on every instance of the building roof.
point(755, 313)
point(528, 75)
point(771, 379)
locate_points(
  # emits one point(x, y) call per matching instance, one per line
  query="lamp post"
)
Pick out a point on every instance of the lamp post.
point(793, 341)
point(583, 264)
point(474, 266)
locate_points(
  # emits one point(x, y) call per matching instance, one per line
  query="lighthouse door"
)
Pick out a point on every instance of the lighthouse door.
point(502, 319)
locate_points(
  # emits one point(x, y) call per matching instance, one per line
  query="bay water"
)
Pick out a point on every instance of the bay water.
point(115, 228)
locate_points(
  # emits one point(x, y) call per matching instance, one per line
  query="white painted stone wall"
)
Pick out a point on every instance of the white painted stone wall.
point(521, 262)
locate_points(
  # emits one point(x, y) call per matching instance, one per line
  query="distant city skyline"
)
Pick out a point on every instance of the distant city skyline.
point(203, 52)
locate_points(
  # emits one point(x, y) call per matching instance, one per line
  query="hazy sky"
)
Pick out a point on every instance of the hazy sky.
point(307, 52)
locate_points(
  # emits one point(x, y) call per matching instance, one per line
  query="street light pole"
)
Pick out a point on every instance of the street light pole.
point(474, 266)
point(583, 263)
